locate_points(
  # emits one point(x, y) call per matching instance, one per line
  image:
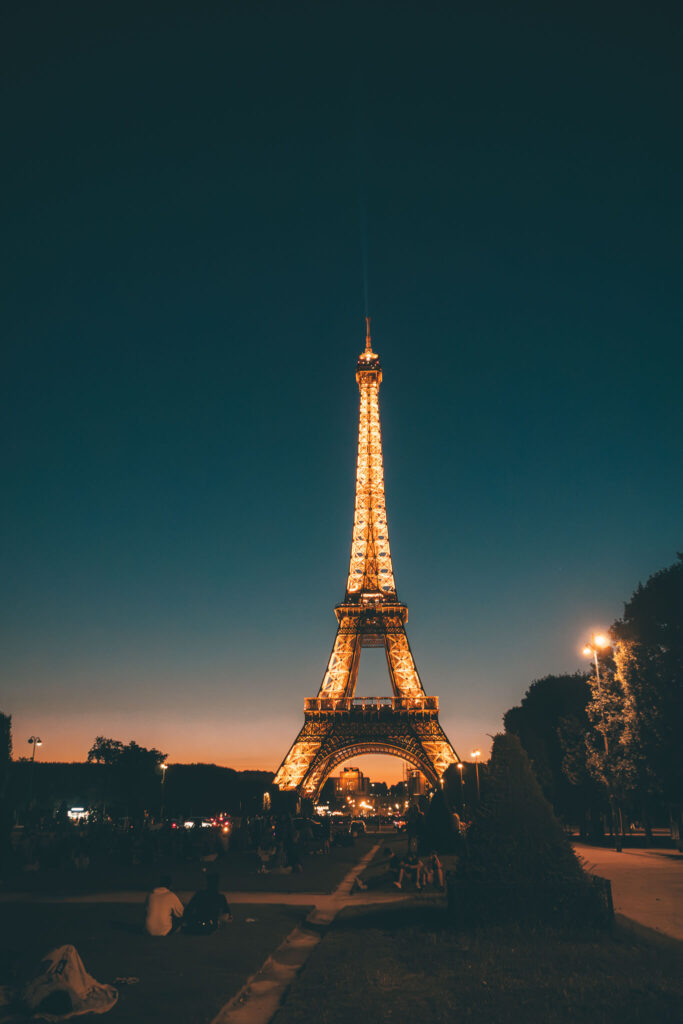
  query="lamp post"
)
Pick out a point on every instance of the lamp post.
point(600, 642)
point(460, 766)
point(37, 742)
point(476, 754)
point(164, 769)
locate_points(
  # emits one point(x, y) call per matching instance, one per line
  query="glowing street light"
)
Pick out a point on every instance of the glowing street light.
point(476, 754)
point(164, 769)
point(599, 642)
point(37, 742)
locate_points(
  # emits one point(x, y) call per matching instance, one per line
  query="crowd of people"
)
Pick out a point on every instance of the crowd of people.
point(266, 843)
point(277, 843)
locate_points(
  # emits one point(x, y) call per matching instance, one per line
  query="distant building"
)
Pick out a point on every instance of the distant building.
point(352, 780)
point(417, 784)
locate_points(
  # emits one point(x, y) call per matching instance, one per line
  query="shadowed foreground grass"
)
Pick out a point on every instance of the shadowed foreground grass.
point(181, 979)
point(405, 964)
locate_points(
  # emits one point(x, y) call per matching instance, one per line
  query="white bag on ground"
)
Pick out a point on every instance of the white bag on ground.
point(62, 972)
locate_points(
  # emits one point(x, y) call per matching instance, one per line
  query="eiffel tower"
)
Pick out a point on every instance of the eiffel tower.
point(337, 724)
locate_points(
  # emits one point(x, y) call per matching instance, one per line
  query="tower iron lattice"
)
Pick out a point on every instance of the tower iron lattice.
point(337, 724)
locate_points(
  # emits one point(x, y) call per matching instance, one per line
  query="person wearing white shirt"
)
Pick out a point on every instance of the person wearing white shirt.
point(163, 910)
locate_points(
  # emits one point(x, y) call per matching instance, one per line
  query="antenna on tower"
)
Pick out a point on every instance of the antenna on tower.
point(368, 342)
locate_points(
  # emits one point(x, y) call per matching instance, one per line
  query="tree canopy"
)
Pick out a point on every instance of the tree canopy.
point(648, 670)
point(551, 723)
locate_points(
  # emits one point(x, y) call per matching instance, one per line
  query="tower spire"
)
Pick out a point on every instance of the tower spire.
point(368, 342)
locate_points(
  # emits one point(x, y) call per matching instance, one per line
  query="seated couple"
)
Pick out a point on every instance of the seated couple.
point(164, 913)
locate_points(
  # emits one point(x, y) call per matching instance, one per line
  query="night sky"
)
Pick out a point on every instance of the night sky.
point(200, 203)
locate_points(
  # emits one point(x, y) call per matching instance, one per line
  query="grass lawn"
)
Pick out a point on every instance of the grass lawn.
point(183, 979)
point(401, 964)
point(238, 872)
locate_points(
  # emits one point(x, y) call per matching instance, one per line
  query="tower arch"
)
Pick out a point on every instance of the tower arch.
point(358, 749)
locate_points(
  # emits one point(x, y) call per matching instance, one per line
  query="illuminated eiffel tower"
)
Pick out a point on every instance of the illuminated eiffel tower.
point(337, 724)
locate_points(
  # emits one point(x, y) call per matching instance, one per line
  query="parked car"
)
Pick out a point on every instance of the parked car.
point(357, 826)
point(400, 824)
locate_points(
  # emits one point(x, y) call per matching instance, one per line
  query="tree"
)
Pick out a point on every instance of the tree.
point(613, 755)
point(637, 699)
point(132, 776)
point(551, 723)
point(5, 763)
point(648, 669)
point(105, 751)
point(140, 779)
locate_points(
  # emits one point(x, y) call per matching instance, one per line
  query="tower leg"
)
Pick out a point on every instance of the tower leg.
point(402, 669)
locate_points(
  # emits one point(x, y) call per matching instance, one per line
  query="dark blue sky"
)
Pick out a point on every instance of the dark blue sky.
point(190, 194)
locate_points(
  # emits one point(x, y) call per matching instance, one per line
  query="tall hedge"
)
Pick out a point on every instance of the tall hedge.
point(514, 835)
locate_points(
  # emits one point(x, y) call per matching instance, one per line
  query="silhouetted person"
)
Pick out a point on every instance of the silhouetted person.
point(207, 909)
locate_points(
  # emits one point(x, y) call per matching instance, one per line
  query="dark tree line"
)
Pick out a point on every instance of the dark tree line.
point(551, 724)
point(6, 812)
point(120, 781)
point(615, 738)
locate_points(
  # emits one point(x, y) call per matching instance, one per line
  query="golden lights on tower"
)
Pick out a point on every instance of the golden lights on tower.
point(371, 615)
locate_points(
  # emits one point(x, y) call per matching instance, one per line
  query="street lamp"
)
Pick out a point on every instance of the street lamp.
point(476, 754)
point(600, 642)
point(37, 742)
point(164, 769)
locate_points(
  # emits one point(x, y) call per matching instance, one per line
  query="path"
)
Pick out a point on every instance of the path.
point(647, 885)
point(261, 997)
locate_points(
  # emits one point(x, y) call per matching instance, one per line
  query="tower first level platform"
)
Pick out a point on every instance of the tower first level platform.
point(337, 724)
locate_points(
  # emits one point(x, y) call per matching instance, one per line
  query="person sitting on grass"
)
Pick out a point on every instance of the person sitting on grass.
point(432, 870)
point(163, 909)
point(207, 909)
point(411, 868)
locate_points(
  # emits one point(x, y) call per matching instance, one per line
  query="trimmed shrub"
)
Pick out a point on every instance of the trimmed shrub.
point(517, 862)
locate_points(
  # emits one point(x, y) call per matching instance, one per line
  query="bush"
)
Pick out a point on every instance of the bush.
point(514, 835)
point(517, 861)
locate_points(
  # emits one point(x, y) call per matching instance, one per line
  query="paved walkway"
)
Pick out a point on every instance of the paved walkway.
point(647, 885)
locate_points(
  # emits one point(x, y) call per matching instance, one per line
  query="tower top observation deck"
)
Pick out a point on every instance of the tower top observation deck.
point(368, 361)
